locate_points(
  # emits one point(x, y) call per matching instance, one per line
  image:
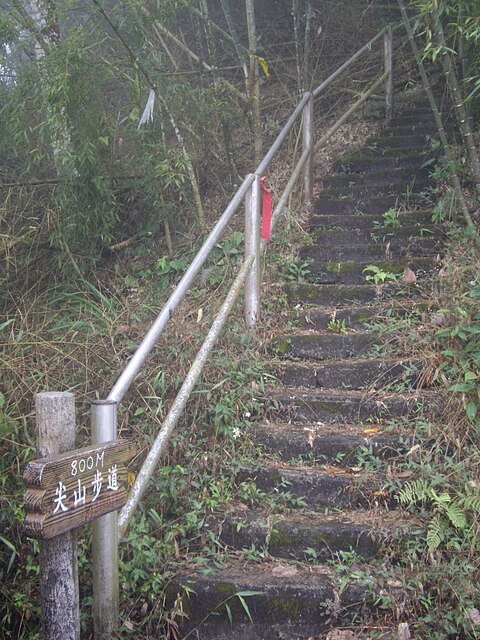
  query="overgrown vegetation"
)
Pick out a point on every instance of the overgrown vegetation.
point(94, 199)
point(100, 218)
point(437, 479)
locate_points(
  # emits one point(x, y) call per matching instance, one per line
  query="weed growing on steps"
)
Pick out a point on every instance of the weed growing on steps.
point(391, 219)
point(377, 275)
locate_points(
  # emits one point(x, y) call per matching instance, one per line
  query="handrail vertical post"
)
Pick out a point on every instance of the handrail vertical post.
point(105, 537)
point(252, 247)
point(307, 135)
point(388, 67)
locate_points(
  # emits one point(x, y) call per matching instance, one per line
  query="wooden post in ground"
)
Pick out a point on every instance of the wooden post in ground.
point(60, 613)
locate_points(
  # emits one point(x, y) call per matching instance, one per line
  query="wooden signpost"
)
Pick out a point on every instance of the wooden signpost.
point(68, 490)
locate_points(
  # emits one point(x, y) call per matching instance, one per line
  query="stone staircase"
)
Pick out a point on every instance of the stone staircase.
point(320, 534)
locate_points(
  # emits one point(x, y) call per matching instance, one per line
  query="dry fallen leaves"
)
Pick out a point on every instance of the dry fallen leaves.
point(341, 634)
point(403, 631)
point(409, 276)
point(284, 571)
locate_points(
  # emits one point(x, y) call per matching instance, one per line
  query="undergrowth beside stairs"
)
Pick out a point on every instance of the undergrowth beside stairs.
point(437, 479)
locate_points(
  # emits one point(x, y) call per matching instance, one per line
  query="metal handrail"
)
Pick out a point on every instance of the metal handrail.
point(111, 528)
point(136, 362)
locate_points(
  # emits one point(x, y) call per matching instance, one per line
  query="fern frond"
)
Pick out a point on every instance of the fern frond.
point(434, 534)
point(415, 491)
point(456, 515)
point(472, 501)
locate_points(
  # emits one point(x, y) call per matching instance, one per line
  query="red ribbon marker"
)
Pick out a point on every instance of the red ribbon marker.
point(266, 210)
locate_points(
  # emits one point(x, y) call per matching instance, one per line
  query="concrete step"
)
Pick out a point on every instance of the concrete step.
point(365, 237)
point(394, 249)
point(414, 118)
point(368, 205)
point(352, 374)
point(298, 406)
point(370, 161)
point(356, 317)
point(318, 346)
point(406, 142)
point(324, 272)
point(289, 535)
point(328, 444)
point(291, 601)
point(372, 222)
point(402, 187)
point(382, 179)
point(341, 295)
point(315, 488)
point(402, 127)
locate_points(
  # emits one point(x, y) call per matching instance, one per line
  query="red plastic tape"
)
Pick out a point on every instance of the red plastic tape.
point(266, 210)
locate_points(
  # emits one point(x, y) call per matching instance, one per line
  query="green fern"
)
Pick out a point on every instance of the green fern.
point(472, 501)
point(415, 491)
point(435, 533)
point(456, 515)
point(449, 513)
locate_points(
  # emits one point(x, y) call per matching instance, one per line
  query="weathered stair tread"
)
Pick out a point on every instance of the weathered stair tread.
point(360, 204)
point(357, 316)
point(382, 179)
point(347, 406)
point(317, 487)
point(329, 443)
point(370, 161)
point(408, 142)
point(400, 187)
point(367, 237)
point(294, 601)
point(288, 535)
point(326, 272)
point(342, 295)
point(402, 126)
point(356, 373)
point(367, 221)
point(320, 346)
point(392, 249)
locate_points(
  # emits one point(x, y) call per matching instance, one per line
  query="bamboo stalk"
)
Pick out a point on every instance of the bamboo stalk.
point(458, 101)
point(438, 119)
point(254, 80)
point(296, 33)
point(212, 52)
point(307, 80)
point(242, 52)
point(227, 12)
point(193, 56)
point(188, 162)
